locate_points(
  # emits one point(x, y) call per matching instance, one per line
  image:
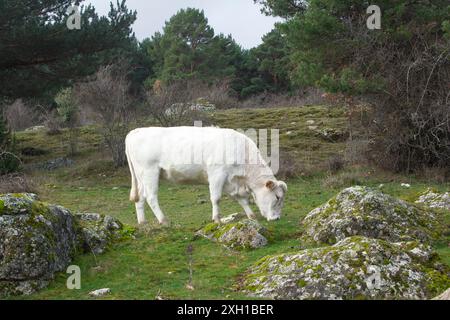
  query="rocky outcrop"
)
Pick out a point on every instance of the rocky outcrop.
point(434, 199)
point(244, 234)
point(354, 268)
point(38, 240)
point(97, 232)
point(54, 164)
point(368, 212)
point(329, 134)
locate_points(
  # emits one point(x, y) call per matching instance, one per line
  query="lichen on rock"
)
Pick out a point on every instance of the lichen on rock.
point(369, 212)
point(243, 234)
point(354, 268)
point(97, 232)
point(434, 199)
point(36, 240)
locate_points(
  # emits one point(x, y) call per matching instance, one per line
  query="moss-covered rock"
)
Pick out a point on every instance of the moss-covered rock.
point(354, 268)
point(434, 199)
point(39, 239)
point(329, 134)
point(36, 240)
point(370, 213)
point(243, 234)
point(444, 295)
point(97, 232)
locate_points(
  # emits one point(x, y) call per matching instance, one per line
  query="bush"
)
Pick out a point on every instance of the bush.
point(19, 116)
point(16, 183)
point(9, 162)
point(335, 163)
point(343, 179)
point(109, 100)
point(68, 111)
point(183, 102)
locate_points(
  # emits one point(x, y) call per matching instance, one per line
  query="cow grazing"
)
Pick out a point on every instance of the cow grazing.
point(227, 160)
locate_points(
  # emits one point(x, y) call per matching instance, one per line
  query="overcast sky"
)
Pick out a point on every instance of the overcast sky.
point(240, 18)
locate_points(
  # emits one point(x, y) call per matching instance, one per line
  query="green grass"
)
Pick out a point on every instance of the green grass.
point(156, 262)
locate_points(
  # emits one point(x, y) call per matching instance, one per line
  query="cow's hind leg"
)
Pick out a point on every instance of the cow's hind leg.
point(151, 181)
point(140, 209)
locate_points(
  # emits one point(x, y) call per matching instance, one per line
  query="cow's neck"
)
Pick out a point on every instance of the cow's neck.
point(257, 176)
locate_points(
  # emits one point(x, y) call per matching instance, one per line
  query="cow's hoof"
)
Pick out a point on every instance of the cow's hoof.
point(164, 223)
point(251, 216)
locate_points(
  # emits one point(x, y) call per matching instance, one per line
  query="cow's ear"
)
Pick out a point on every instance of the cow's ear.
point(270, 184)
point(283, 186)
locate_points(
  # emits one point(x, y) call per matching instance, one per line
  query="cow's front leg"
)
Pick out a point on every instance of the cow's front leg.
point(216, 182)
point(140, 210)
point(246, 206)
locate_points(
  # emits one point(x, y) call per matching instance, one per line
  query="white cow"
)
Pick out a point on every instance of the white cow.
point(226, 159)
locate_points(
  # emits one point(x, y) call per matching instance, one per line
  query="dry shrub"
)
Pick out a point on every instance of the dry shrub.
point(356, 151)
point(19, 116)
point(303, 97)
point(181, 102)
point(51, 120)
point(436, 175)
point(108, 98)
point(16, 183)
point(343, 180)
point(292, 167)
point(335, 163)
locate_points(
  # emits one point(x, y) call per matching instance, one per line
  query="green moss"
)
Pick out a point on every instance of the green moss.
point(127, 232)
point(301, 283)
point(210, 228)
point(437, 282)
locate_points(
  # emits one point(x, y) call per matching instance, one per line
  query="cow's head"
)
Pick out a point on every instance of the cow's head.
point(270, 199)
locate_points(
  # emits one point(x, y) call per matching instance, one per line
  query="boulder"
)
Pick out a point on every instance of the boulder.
point(329, 134)
point(354, 268)
point(370, 213)
point(435, 200)
point(97, 232)
point(36, 240)
point(100, 292)
point(443, 296)
point(243, 234)
point(54, 164)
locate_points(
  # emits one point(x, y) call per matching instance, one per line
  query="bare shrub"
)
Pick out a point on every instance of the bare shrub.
point(343, 180)
point(109, 100)
point(50, 119)
point(292, 167)
point(335, 164)
point(218, 94)
point(356, 151)
point(16, 183)
point(436, 174)
point(299, 98)
point(19, 116)
point(182, 102)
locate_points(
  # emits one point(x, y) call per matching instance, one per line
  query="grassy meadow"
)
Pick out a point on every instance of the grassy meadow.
point(156, 264)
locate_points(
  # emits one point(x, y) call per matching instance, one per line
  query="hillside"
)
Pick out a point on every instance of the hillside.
point(156, 263)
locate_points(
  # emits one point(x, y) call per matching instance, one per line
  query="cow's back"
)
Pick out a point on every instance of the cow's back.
point(185, 154)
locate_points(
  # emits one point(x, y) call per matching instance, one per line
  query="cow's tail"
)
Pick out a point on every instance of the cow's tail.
point(134, 193)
